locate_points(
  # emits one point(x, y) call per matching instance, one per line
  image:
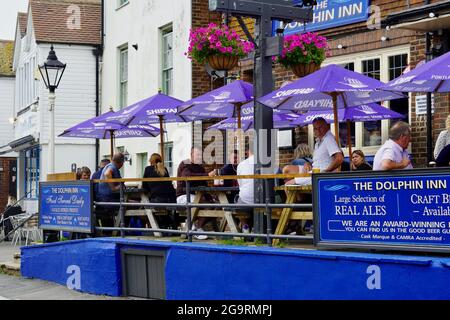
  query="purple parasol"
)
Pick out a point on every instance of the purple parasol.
point(280, 119)
point(433, 76)
point(159, 108)
point(97, 128)
point(371, 112)
point(331, 87)
point(224, 102)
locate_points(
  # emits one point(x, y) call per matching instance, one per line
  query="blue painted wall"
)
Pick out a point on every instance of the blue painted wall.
point(205, 272)
point(98, 262)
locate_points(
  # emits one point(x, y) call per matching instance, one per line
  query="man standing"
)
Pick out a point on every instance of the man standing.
point(246, 187)
point(96, 175)
point(108, 191)
point(393, 154)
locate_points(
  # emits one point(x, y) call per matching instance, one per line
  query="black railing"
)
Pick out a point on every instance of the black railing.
point(266, 207)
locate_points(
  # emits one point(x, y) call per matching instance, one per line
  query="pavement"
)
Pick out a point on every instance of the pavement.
point(18, 288)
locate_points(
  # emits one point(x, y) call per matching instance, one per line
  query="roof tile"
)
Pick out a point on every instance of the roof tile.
point(57, 21)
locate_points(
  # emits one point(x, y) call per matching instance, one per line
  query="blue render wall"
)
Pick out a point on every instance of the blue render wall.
point(209, 272)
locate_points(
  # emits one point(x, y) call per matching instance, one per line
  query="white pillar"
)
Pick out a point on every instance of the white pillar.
point(51, 143)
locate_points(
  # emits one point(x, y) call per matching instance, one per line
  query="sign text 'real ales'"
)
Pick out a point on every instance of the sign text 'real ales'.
point(398, 210)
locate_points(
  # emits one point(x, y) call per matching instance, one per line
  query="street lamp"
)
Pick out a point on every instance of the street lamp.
point(52, 71)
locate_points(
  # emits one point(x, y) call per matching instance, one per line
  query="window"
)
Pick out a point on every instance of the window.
point(372, 129)
point(397, 64)
point(167, 60)
point(32, 172)
point(123, 77)
point(384, 65)
point(343, 127)
point(168, 159)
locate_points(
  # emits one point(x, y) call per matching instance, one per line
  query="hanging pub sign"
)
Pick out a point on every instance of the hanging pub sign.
point(328, 14)
point(66, 206)
point(408, 210)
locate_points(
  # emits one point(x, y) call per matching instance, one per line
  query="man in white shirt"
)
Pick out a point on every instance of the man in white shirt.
point(327, 157)
point(246, 186)
point(394, 154)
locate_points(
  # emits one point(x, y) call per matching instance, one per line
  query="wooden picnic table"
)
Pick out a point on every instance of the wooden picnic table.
point(288, 213)
point(141, 195)
point(225, 214)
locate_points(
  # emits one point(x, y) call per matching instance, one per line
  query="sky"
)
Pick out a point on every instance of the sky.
point(8, 15)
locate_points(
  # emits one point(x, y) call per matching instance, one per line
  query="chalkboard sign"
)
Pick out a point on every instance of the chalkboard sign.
point(408, 209)
point(66, 206)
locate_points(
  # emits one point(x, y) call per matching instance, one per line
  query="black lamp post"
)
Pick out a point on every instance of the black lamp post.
point(52, 71)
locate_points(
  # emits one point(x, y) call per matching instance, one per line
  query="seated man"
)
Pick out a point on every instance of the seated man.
point(246, 187)
point(328, 156)
point(192, 168)
point(12, 209)
point(393, 154)
point(229, 169)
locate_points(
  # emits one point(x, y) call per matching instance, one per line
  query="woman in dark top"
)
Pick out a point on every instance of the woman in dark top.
point(159, 192)
point(359, 161)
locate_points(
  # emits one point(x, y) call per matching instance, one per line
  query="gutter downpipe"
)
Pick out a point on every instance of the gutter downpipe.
point(98, 52)
point(429, 57)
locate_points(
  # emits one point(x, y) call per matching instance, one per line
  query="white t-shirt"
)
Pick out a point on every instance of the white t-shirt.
point(390, 150)
point(324, 150)
point(246, 189)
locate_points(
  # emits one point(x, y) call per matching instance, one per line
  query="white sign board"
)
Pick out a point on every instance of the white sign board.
point(421, 104)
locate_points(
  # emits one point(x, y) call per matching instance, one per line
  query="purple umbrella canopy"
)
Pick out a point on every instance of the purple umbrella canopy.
point(433, 76)
point(363, 113)
point(316, 91)
point(97, 128)
point(223, 102)
point(281, 119)
point(149, 111)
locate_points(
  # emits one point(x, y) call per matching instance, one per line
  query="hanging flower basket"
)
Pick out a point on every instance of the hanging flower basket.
point(303, 69)
point(303, 53)
point(222, 62)
point(220, 46)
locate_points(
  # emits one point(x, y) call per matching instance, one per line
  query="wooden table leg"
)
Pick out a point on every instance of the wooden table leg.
point(150, 216)
point(223, 223)
point(195, 211)
point(284, 217)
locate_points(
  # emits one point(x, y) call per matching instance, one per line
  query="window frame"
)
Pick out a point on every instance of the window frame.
point(166, 31)
point(121, 100)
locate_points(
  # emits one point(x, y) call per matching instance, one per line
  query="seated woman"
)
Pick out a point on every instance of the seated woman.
point(302, 160)
point(359, 161)
point(159, 192)
point(85, 174)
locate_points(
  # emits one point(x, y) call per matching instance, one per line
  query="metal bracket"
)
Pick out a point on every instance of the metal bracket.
point(245, 29)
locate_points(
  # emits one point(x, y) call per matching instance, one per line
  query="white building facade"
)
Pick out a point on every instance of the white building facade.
point(144, 46)
point(75, 97)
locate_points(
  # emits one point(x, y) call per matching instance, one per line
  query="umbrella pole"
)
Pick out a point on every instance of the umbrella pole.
point(349, 142)
point(240, 133)
point(161, 136)
point(111, 138)
point(336, 120)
